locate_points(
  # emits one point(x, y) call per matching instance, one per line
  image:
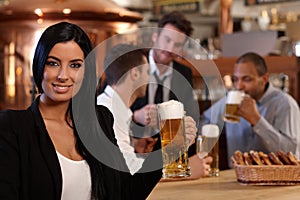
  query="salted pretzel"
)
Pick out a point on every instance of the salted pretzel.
point(255, 157)
point(283, 157)
point(264, 157)
point(275, 160)
point(248, 159)
point(260, 158)
point(292, 158)
point(238, 156)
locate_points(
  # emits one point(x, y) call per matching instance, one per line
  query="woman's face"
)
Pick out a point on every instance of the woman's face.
point(63, 72)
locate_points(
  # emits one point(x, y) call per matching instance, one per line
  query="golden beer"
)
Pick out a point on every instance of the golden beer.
point(214, 166)
point(174, 150)
point(231, 113)
point(208, 145)
point(170, 128)
point(234, 98)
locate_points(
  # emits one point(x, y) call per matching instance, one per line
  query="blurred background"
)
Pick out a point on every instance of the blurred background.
point(223, 29)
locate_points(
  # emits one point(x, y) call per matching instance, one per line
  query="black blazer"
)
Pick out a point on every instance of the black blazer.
point(30, 170)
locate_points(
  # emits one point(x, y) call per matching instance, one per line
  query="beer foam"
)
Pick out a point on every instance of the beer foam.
point(171, 110)
point(235, 97)
point(210, 130)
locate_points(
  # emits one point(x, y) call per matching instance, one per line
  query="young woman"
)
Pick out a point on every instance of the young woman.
point(41, 153)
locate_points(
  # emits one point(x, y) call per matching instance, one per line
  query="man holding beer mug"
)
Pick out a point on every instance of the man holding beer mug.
point(127, 74)
point(268, 117)
point(176, 79)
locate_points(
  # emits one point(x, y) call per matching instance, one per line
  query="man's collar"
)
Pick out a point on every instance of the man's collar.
point(154, 69)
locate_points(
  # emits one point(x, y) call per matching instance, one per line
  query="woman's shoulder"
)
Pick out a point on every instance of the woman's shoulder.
point(10, 115)
point(15, 122)
point(15, 118)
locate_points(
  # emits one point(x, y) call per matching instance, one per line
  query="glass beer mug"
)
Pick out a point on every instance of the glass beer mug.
point(234, 98)
point(172, 133)
point(208, 144)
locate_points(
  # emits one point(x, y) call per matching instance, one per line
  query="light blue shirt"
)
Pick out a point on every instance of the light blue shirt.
point(277, 129)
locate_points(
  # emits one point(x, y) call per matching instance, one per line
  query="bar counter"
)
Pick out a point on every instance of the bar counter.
point(224, 187)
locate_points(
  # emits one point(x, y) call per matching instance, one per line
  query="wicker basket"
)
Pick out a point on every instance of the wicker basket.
point(267, 174)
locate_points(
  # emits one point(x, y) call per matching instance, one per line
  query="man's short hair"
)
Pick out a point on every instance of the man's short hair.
point(119, 60)
point(178, 20)
point(257, 60)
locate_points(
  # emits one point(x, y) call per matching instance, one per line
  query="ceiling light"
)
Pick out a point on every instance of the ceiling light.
point(4, 2)
point(67, 11)
point(40, 20)
point(39, 12)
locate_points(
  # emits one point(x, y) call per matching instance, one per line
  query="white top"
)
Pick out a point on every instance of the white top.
point(76, 176)
point(167, 83)
point(122, 119)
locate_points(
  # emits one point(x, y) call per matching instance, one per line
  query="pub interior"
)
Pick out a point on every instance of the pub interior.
point(223, 30)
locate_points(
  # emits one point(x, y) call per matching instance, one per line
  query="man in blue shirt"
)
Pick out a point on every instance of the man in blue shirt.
point(269, 116)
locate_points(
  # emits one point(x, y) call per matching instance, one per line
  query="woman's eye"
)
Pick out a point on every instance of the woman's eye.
point(75, 65)
point(52, 63)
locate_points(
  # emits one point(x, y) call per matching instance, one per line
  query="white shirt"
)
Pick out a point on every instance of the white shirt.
point(122, 119)
point(152, 80)
point(76, 179)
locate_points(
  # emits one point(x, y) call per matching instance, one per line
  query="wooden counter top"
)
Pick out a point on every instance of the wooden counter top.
point(224, 187)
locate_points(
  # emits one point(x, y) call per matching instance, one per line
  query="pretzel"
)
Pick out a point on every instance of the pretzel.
point(260, 158)
point(255, 157)
point(238, 155)
point(248, 159)
point(275, 160)
point(283, 158)
point(292, 158)
point(264, 158)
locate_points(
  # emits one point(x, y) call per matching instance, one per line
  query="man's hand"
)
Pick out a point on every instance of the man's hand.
point(190, 130)
point(146, 116)
point(199, 167)
point(144, 145)
point(248, 110)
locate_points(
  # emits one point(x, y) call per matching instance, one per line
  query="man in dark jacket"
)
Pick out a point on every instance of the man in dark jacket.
point(169, 79)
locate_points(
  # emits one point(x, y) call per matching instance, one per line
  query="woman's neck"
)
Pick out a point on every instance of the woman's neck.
point(53, 110)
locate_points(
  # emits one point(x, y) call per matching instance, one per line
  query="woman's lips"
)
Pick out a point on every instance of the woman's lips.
point(62, 88)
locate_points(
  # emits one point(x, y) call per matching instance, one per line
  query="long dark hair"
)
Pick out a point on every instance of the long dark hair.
point(63, 32)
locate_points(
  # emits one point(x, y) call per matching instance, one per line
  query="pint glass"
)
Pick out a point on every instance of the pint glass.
point(234, 98)
point(174, 149)
point(208, 144)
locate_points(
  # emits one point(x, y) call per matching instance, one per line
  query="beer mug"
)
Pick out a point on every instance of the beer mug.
point(234, 98)
point(172, 133)
point(208, 144)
